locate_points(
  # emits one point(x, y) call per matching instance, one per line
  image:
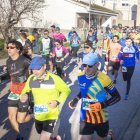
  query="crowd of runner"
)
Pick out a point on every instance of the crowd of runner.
point(39, 86)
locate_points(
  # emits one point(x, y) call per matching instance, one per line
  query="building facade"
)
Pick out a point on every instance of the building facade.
point(72, 13)
point(127, 9)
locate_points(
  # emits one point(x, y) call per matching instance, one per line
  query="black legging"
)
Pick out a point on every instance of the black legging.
point(127, 77)
point(59, 68)
point(74, 51)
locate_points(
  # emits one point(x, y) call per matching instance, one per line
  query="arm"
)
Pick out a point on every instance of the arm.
point(137, 53)
point(73, 103)
point(63, 89)
point(115, 97)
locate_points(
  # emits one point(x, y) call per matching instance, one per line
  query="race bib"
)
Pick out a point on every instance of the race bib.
point(40, 109)
point(86, 102)
point(131, 55)
point(124, 69)
point(114, 57)
point(13, 96)
point(47, 86)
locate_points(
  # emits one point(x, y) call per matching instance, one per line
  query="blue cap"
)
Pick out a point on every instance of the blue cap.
point(37, 62)
point(91, 59)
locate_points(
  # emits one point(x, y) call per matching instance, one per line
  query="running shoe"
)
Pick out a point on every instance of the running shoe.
point(114, 82)
point(19, 137)
point(126, 97)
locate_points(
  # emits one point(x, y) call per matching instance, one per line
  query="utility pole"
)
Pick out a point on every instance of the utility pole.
point(89, 13)
point(114, 5)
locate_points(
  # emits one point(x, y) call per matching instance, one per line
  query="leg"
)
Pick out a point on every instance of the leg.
point(100, 138)
point(116, 69)
point(86, 131)
point(130, 71)
point(45, 135)
point(51, 66)
point(86, 137)
point(12, 114)
point(102, 131)
point(115, 74)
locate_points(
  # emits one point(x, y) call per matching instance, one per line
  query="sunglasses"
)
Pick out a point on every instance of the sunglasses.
point(86, 47)
point(85, 65)
point(11, 47)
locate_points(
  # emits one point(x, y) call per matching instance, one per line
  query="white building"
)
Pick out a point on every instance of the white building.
point(72, 13)
point(127, 9)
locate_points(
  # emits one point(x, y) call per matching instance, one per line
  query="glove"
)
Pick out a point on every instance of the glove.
point(96, 107)
point(73, 103)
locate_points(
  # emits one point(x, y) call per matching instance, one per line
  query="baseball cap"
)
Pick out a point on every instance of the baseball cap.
point(91, 59)
point(37, 62)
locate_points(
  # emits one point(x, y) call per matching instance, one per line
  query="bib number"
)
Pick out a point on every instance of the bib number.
point(124, 69)
point(13, 96)
point(87, 102)
point(39, 109)
point(114, 57)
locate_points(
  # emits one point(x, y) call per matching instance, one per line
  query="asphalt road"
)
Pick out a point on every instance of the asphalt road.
point(122, 114)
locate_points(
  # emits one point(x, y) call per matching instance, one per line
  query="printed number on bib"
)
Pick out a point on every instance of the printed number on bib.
point(114, 56)
point(39, 109)
point(13, 96)
point(86, 102)
point(124, 69)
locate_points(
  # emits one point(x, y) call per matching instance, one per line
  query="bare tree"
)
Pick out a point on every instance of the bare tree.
point(13, 11)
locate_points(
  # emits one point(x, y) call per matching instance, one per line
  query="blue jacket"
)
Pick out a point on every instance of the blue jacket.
point(129, 55)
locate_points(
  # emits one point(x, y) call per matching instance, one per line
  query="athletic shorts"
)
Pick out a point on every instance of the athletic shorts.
point(128, 74)
point(115, 65)
point(47, 126)
point(22, 107)
point(89, 128)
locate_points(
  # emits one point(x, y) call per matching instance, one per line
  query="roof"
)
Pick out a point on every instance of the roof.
point(94, 7)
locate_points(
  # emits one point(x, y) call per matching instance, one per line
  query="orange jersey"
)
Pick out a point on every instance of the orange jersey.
point(114, 49)
point(17, 87)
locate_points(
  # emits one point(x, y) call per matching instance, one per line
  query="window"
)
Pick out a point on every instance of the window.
point(125, 4)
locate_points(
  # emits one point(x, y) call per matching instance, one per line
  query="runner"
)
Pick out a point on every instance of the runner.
point(75, 45)
point(123, 40)
point(114, 61)
point(60, 53)
point(46, 49)
point(103, 46)
point(71, 33)
point(94, 86)
point(87, 50)
point(22, 38)
point(17, 67)
point(46, 109)
point(52, 30)
point(59, 36)
point(128, 55)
